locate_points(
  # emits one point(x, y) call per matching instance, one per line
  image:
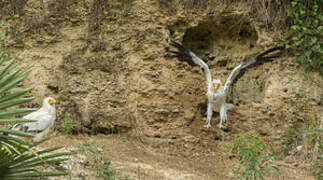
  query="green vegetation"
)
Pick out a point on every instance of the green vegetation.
point(138, 172)
point(19, 159)
point(305, 35)
point(127, 177)
point(98, 160)
point(305, 133)
point(308, 138)
point(255, 162)
point(68, 127)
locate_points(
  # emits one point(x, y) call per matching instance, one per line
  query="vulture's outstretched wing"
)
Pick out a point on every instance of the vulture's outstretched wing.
point(239, 70)
point(188, 56)
point(193, 60)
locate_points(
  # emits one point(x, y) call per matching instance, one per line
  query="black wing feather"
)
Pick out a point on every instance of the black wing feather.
point(260, 59)
point(261, 55)
point(182, 54)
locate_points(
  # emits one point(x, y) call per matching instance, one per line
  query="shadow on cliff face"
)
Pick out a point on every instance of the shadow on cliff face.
point(216, 35)
point(223, 41)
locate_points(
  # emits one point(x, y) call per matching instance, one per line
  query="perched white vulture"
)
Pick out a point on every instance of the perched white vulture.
point(216, 92)
point(45, 117)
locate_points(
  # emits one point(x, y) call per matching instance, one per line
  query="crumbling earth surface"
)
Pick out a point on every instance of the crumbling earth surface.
point(108, 65)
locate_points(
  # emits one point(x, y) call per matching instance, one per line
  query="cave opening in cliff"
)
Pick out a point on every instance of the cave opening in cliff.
point(212, 37)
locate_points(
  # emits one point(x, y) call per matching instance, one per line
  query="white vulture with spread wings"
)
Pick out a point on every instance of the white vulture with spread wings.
point(45, 117)
point(216, 92)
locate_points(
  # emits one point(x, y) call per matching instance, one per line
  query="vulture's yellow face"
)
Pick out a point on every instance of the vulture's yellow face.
point(51, 101)
point(216, 85)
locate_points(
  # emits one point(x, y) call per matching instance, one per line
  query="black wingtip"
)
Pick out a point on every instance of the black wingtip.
point(179, 46)
point(174, 43)
point(261, 59)
point(268, 51)
point(182, 54)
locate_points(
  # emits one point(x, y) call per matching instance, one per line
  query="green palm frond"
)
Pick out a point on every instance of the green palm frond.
point(19, 158)
point(16, 112)
point(10, 98)
point(29, 165)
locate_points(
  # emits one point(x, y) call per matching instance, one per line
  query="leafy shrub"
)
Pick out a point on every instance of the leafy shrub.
point(69, 127)
point(305, 34)
point(98, 160)
point(255, 162)
point(304, 135)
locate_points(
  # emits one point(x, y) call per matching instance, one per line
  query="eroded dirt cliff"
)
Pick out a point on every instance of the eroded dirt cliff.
point(107, 63)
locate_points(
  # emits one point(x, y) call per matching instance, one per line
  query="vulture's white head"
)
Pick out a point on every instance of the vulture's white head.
point(217, 84)
point(49, 101)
